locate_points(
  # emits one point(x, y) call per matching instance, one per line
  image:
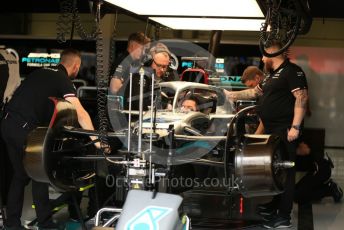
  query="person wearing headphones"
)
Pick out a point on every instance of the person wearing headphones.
point(156, 62)
point(160, 63)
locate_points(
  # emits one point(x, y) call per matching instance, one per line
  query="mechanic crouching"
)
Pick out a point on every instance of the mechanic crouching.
point(316, 183)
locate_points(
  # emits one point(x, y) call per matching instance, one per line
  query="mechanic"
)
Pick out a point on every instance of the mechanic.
point(137, 42)
point(160, 62)
point(282, 107)
point(157, 62)
point(317, 182)
point(30, 107)
point(252, 76)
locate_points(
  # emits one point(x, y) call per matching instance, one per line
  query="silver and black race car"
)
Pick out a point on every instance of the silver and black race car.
point(213, 115)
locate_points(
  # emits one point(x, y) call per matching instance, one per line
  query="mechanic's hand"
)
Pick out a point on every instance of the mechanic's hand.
point(231, 96)
point(293, 134)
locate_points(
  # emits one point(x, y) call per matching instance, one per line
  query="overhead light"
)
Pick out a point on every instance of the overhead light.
point(200, 8)
point(209, 23)
point(241, 15)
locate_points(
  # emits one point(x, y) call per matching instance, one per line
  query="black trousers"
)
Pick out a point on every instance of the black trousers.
point(14, 135)
point(284, 201)
point(314, 186)
point(5, 172)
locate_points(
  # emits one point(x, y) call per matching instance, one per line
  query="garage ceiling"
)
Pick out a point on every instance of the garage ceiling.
point(319, 9)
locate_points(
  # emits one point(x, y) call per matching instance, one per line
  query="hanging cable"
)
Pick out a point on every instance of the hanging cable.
point(156, 33)
point(69, 19)
point(81, 29)
point(102, 83)
point(113, 46)
point(63, 22)
point(102, 86)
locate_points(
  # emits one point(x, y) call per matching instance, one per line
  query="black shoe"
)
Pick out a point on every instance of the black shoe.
point(268, 218)
point(278, 222)
point(336, 191)
point(266, 210)
point(263, 207)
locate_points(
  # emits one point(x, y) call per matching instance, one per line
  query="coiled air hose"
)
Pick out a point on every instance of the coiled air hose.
point(64, 25)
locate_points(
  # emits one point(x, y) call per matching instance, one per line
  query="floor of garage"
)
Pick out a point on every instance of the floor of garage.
point(326, 214)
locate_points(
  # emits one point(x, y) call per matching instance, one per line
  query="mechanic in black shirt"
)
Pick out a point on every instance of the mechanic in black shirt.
point(137, 42)
point(252, 76)
point(282, 107)
point(30, 107)
point(316, 183)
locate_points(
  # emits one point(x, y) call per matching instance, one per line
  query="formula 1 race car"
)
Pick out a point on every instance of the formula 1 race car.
point(163, 144)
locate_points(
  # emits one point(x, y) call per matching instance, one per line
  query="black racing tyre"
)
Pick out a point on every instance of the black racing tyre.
point(285, 47)
point(282, 23)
